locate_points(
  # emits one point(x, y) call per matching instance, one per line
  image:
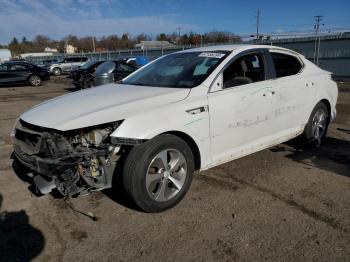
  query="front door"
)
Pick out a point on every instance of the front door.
point(242, 112)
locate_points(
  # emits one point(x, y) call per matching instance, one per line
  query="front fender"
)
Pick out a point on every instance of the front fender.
point(170, 118)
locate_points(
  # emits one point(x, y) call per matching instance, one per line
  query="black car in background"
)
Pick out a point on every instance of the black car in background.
point(83, 77)
point(22, 73)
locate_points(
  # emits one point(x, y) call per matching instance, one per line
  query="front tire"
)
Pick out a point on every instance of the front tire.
point(87, 82)
point(317, 126)
point(35, 80)
point(158, 173)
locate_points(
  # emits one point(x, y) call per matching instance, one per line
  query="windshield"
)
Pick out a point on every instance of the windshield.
point(88, 64)
point(187, 69)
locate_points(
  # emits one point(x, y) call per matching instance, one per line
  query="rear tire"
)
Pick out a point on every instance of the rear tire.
point(57, 71)
point(35, 80)
point(317, 126)
point(87, 82)
point(158, 173)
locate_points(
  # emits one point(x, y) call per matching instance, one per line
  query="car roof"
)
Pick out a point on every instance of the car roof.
point(235, 47)
point(17, 63)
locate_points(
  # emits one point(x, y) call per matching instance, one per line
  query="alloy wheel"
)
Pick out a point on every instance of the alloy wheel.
point(35, 80)
point(166, 175)
point(319, 124)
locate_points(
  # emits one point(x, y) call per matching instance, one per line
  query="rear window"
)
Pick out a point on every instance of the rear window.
point(286, 65)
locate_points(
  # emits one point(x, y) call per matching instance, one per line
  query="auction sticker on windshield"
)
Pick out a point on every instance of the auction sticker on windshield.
point(211, 55)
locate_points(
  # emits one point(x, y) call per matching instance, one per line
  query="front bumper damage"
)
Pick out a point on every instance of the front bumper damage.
point(75, 162)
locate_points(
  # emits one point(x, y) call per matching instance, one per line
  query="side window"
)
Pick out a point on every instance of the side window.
point(286, 65)
point(126, 67)
point(5, 67)
point(18, 67)
point(83, 59)
point(244, 70)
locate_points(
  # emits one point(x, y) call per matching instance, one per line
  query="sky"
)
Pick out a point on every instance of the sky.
point(59, 18)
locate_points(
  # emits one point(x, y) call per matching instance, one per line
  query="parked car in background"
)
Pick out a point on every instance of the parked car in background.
point(138, 61)
point(46, 63)
point(186, 111)
point(67, 64)
point(12, 73)
point(120, 70)
point(83, 76)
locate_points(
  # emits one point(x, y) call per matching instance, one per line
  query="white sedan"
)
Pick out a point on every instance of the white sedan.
point(187, 111)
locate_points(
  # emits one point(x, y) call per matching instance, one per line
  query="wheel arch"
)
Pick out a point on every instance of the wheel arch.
point(192, 144)
point(328, 105)
point(31, 74)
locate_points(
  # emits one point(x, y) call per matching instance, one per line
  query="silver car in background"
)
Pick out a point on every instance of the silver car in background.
point(67, 64)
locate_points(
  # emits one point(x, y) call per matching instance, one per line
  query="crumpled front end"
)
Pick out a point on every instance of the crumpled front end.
point(74, 162)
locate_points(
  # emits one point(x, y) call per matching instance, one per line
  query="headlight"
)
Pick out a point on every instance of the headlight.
point(97, 135)
point(13, 131)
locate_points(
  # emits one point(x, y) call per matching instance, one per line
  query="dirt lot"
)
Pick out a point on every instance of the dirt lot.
point(281, 204)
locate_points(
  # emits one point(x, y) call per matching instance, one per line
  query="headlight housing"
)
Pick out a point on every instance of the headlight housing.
point(94, 136)
point(13, 130)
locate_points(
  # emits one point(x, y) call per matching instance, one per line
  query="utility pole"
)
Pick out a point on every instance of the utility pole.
point(179, 31)
point(93, 43)
point(318, 19)
point(257, 24)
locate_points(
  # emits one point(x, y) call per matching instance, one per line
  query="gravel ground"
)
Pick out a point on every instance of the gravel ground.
point(280, 204)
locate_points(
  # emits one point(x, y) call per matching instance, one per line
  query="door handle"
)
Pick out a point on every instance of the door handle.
point(198, 110)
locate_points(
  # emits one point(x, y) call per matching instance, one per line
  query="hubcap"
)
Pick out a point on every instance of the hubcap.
point(166, 175)
point(35, 80)
point(319, 124)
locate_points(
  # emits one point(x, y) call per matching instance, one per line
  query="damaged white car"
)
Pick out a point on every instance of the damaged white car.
point(190, 110)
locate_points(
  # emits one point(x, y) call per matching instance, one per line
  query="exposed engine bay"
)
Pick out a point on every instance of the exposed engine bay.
point(74, 162)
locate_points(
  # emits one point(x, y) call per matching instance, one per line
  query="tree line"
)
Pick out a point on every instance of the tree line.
point(115, 42)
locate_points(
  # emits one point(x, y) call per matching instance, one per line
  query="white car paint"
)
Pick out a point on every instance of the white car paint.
point(235, 121)
point(100, 105)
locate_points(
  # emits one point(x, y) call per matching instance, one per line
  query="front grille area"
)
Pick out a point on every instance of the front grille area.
point(28, 140)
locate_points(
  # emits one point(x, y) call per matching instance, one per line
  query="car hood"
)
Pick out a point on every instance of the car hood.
point(99, 105)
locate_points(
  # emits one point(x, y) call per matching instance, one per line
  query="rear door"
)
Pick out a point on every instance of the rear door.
point(294, 90)
point(20, 72)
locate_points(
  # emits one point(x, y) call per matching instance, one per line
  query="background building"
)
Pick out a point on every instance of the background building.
point(146, 45)
point(5, 55)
